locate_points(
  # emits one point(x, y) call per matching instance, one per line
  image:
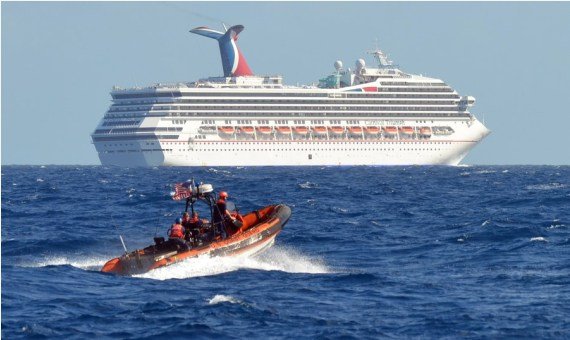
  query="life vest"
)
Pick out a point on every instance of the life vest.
point(176, 231)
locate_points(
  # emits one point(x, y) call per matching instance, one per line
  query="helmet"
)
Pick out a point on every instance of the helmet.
point(178, 220)
point(223, 194)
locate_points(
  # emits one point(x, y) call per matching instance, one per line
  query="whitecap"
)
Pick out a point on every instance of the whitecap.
point(505, 171)
point(464, 174)
point(548, 186)
point(538, 239)
point(307, 185)
point(340, 210)
point(485, 172)
point(220, 298)
point(485, 223)
point(219, 171)
point(39, 180)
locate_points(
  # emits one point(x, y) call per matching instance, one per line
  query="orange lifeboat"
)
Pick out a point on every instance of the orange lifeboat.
point(355, 130)
point(407, 130)
point(285, 130)
point(320, 130)
point(337, 130)
point(266, 130)
point(247, 130)
point(301, 130)
point(390, 130)
point(372, 130)
point(228, 130)
point(425, 131)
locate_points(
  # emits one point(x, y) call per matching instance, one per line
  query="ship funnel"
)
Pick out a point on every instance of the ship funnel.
point(233, 62)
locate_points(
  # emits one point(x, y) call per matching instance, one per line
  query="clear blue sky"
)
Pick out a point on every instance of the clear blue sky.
point(60, 60)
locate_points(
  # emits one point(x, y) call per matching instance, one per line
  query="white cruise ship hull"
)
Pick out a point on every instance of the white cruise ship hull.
point(343, 152)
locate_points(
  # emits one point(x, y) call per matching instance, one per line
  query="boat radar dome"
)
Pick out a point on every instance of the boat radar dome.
point(360, 64)
point(338, 65)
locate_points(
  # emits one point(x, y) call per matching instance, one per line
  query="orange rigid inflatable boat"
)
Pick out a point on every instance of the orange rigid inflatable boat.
point(254, 233)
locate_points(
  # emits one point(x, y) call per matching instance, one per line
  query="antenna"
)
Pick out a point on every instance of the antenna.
point(225, 28)
point(380, 57)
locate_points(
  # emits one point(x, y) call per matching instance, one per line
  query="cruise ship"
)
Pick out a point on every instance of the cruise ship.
point(362, 116)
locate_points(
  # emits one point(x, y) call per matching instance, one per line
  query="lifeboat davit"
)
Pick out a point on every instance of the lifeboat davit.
point(228, 130)
point(256, 233)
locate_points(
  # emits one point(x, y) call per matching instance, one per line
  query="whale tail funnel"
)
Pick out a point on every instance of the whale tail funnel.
point(232, 60)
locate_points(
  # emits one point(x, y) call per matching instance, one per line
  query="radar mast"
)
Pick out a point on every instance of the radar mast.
point(381, 58)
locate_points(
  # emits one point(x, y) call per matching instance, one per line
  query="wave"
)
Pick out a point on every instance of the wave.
point(485, 172)
point(216, 171)
point(275, 259)
point(307, 185)
point(85, 263)
point(548, 186)
point(220, 298)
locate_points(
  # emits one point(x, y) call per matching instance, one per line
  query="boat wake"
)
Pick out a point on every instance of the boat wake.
point(274, 259)
point(85, 263)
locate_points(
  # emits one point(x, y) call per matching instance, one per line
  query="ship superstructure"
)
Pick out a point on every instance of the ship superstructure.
point(366, 116)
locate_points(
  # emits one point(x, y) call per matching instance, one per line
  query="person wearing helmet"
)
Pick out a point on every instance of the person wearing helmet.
point(222, 215)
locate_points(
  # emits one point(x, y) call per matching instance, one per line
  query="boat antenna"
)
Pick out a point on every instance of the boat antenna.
point(225, 28)
point(123, 243)
point(117, 227)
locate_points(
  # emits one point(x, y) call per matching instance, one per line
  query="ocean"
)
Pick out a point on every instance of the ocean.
point(369, 252)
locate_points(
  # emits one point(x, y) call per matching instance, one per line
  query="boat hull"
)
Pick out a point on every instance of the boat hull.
point(263, 226)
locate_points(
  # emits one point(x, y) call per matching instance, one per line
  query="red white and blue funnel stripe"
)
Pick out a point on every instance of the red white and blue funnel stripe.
point(232, 60)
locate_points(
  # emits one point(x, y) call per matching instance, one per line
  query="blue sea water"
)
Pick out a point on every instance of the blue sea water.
point(369, 252)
